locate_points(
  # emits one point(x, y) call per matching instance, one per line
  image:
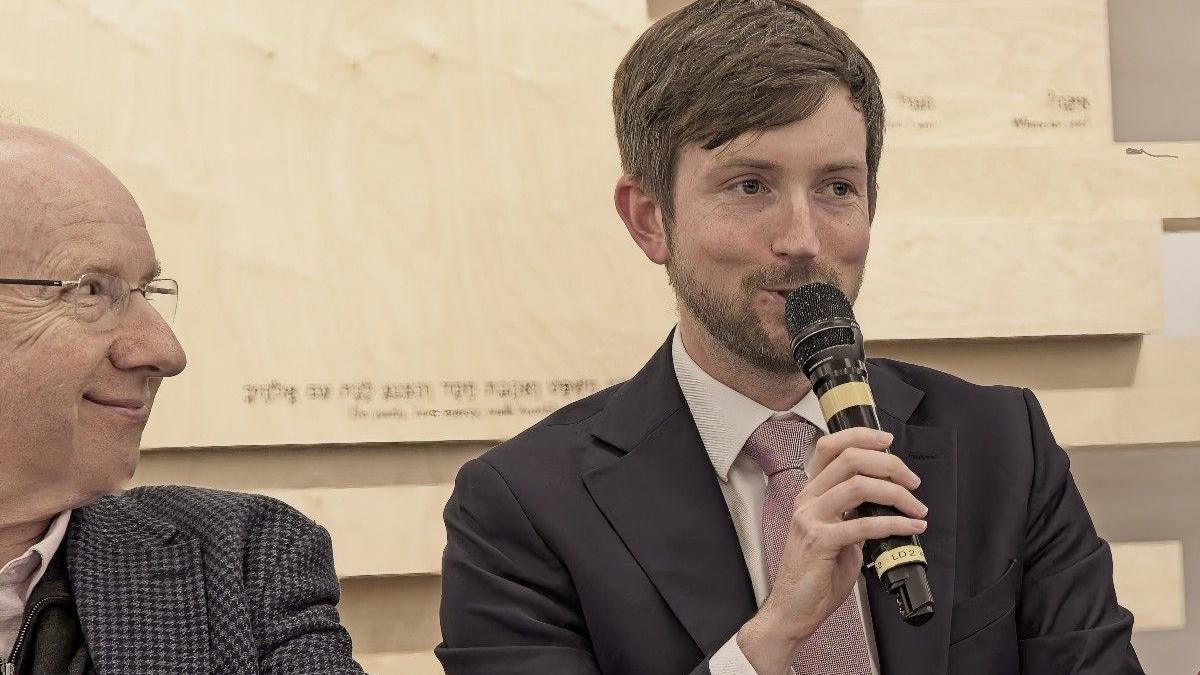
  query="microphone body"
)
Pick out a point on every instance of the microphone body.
point(898, 562)
point(829, 351)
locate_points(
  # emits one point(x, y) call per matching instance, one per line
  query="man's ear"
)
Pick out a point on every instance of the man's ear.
point(643, 219)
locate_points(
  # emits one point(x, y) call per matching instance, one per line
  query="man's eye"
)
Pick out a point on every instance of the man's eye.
point(89, 288)
point(842, 189)
point(750, 186)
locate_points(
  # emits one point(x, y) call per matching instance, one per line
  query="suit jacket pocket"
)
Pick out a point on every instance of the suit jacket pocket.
point(991, 604)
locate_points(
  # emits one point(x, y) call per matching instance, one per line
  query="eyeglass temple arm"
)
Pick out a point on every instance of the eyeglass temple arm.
point(33, 282)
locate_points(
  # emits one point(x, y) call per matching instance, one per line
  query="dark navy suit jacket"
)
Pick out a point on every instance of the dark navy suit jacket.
point(598, 541)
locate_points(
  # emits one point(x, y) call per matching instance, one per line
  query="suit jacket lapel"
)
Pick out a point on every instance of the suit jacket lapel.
point(662, 498)
point(931, 452)
point(138, 585)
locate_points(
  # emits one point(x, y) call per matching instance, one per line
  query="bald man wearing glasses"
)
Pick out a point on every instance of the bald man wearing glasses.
point(92, 579)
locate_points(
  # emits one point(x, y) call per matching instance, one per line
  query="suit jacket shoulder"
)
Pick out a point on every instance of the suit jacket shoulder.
point(239, 580)
point(555, 441)
point(945, 395)
point(212, 516)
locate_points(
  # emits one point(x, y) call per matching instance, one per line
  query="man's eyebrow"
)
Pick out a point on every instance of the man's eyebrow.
point(154, 273)
point(768, 165)
point(834, 167)
point(107, 268)
point(747, 163)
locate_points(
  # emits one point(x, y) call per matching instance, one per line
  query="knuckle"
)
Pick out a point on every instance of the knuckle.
point(859, 485)
point(862, 460)
point(820, 536)
point(884, 527)
point(850, 457)
point(803, 515)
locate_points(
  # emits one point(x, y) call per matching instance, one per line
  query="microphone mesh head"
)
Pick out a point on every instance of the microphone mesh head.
point(816, 302)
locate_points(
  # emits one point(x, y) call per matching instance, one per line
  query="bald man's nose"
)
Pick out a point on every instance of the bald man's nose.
point(146, 342)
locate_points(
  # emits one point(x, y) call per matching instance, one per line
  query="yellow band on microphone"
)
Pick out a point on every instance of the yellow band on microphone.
point(898, 556)
point(845, 396)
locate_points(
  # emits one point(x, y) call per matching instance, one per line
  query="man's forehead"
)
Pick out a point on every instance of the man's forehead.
point(112, 248)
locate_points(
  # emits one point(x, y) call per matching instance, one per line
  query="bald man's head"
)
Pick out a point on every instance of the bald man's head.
point(80, 370)
point(46, 183)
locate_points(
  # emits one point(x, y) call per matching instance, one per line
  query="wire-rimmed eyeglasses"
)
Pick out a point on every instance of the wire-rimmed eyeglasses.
point(100, 299)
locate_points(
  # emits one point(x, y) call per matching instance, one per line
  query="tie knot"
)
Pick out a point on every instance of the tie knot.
point(781, 443)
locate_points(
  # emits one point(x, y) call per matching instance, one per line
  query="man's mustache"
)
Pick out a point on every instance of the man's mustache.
point(791, 277)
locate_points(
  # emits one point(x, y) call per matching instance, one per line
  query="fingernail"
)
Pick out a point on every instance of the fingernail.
point(923, 510)
point(885, 436)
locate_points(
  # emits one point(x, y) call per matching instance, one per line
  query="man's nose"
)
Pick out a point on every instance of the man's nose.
point(796, 235)
point(146, 341)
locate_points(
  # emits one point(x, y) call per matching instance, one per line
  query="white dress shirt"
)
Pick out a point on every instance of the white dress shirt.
point(20, 575)
point(725, 420)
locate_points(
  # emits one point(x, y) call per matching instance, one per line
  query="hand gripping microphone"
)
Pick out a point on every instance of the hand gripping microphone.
point(828, 346)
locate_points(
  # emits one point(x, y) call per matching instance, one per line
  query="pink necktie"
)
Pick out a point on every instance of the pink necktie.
point(780, 446)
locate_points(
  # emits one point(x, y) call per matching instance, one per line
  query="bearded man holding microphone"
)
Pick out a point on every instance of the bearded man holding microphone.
point(702, 517)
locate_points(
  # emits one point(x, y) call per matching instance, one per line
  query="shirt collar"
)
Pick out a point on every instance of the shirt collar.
point(44, 551)
point(725, 417)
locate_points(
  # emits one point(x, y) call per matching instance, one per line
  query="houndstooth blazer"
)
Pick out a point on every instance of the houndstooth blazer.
point(188, 581)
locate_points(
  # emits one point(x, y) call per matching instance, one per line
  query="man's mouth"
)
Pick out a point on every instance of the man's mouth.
point(133, 408)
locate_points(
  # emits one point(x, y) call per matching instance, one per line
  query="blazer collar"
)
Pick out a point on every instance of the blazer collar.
point(662, 497)
point(124, 564)
point(893, 396)
point(642, 403)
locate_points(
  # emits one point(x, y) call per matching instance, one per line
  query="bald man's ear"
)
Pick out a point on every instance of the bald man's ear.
point(643, 219)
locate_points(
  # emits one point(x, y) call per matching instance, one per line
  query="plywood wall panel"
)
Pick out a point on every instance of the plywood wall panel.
point(1150, 583)
point(419, 663)
point(990, 72)
point(392, 620)
point(1101, 418)
point(1046, 182)
point(977, 278)
point(391, 530)
point(1115, 392)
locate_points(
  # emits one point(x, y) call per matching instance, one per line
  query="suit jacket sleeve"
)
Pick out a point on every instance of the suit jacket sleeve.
point(1069, 619)
point(508, 603)
point(294, 592)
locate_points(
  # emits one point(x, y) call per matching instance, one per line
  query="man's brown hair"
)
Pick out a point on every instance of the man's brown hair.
point(716, 69)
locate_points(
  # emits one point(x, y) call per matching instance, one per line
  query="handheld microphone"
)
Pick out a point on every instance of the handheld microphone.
point(828, 346)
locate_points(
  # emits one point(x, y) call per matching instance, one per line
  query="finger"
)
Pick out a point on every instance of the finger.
point(829, 446)
point(852, 493)
point(859, 530)
point(860, 462)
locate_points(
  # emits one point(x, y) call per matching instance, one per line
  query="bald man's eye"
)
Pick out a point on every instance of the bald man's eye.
point(89, 288)
point(96, 291)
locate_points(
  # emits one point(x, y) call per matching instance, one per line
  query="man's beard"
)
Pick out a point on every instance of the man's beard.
point(732, 321)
